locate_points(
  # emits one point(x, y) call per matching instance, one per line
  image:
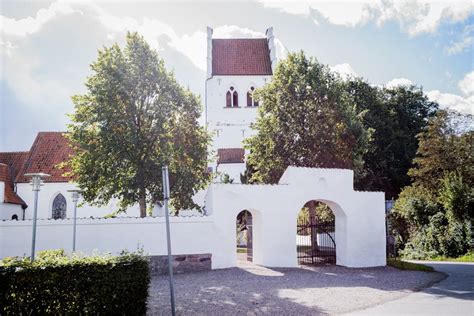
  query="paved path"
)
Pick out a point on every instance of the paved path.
point(254, 290)
point(452, 296)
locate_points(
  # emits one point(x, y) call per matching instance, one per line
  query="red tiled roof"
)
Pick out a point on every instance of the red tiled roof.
point(241, 57)
point(230, 155)
point(48, 150)
point(10, 194)
point(15, 160)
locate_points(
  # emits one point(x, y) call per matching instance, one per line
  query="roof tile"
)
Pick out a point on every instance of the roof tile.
point(241, 57)
point(230, 155)
point(10, 194)
point(48, 150)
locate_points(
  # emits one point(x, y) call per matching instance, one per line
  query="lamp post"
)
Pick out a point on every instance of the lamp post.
point(75, 198)
point(166, 197)
point(36, 183)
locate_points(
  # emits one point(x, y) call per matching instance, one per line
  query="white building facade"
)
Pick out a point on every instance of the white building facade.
point(235, 68)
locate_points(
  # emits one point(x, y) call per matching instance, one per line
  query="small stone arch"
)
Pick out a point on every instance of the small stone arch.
point(315, 234)
point(244, 234)
point(339, 233)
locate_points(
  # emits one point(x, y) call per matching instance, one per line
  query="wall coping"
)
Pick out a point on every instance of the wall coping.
point(105, 221)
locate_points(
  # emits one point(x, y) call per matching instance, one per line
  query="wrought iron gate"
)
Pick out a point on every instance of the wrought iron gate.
point(249, 238)
point(315, 242)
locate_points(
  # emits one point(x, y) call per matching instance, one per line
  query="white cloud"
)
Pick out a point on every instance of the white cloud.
point(398, 82)
point(452, 101)
point(467, 84)
point(30, 24)
point(464, 43)
point(414, 17)
point(354, 13)
point(344, 70)
point(446, 100)
point(194, 45)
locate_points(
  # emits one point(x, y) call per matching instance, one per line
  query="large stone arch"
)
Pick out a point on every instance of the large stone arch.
point(360, 217)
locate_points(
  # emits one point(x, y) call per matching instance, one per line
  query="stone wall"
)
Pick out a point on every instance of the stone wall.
point(181, 263)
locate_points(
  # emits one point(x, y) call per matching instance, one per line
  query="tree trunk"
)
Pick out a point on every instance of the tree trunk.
point(312, 221)
point(142, 202)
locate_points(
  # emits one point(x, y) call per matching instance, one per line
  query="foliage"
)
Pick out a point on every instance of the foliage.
point(395, 115)
point(57, 284)
point(444, 146)
point(225, 178)
point(322, 214)
point(306, 118)
point(433, 217)
point(468, 257)
point(404, 265)
point(134, 119)
point(457, 197)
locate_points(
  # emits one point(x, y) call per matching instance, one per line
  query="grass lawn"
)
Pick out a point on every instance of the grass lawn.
point(403, 265)
point(241, 250)
point(468, 257)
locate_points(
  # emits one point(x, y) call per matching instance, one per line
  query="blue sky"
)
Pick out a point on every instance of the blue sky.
point(46, 47)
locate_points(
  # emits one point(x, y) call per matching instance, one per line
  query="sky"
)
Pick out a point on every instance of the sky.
point(47, 47)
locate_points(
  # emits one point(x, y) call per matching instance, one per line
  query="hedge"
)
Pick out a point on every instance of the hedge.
point(58, 284)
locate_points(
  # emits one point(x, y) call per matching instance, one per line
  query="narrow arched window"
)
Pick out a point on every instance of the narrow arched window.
point(59, 207)
point(232, 98)
point(250, 100)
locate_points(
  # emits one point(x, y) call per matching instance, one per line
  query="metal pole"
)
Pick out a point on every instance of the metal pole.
point(35, 215)
point(74, 229)
point(166, 196)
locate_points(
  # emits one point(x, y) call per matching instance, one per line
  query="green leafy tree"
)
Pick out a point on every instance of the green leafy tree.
point(434, 215)
point(445, 145)
point(134, 119)
point(396, 116)
point(306, 119)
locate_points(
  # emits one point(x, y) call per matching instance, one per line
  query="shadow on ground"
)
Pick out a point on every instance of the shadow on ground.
point(251, 289)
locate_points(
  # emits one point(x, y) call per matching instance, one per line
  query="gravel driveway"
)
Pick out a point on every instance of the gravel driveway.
point(252, 290)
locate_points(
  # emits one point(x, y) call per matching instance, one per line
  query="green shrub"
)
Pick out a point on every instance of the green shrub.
point(57, 284)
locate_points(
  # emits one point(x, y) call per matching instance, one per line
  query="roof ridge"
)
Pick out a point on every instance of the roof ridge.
point(14, 152)
point(239, 38)
point(27, 162)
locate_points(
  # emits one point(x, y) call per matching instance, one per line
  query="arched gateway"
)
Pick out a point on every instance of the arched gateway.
point(359, 218)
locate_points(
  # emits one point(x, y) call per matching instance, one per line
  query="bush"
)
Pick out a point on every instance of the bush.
point(57, 284)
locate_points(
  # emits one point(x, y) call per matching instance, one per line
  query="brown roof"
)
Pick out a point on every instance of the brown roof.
point(10, 194)
point(230, 155)
point(15, 160)
point(241, 57)
point(48, 150)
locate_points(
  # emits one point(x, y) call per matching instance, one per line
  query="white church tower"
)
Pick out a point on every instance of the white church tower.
point(235, 68)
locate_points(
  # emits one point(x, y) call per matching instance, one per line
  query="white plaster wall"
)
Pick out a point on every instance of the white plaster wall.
point(232, 169)
point(230, 126)
point(233, 123)
point(48, 193)
point(360, 224)
point(7, 210)
point(188, 235)
point(360, 217)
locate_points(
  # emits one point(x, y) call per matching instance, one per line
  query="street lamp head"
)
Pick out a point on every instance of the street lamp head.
point(36, 179)
point(75, 194)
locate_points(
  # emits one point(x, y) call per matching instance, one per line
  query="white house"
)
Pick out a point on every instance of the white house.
point(235, 68)
point(16, 196)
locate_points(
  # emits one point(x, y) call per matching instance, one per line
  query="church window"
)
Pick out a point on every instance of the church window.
point(232, 98)
point(251, 102)
point(59, 207)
